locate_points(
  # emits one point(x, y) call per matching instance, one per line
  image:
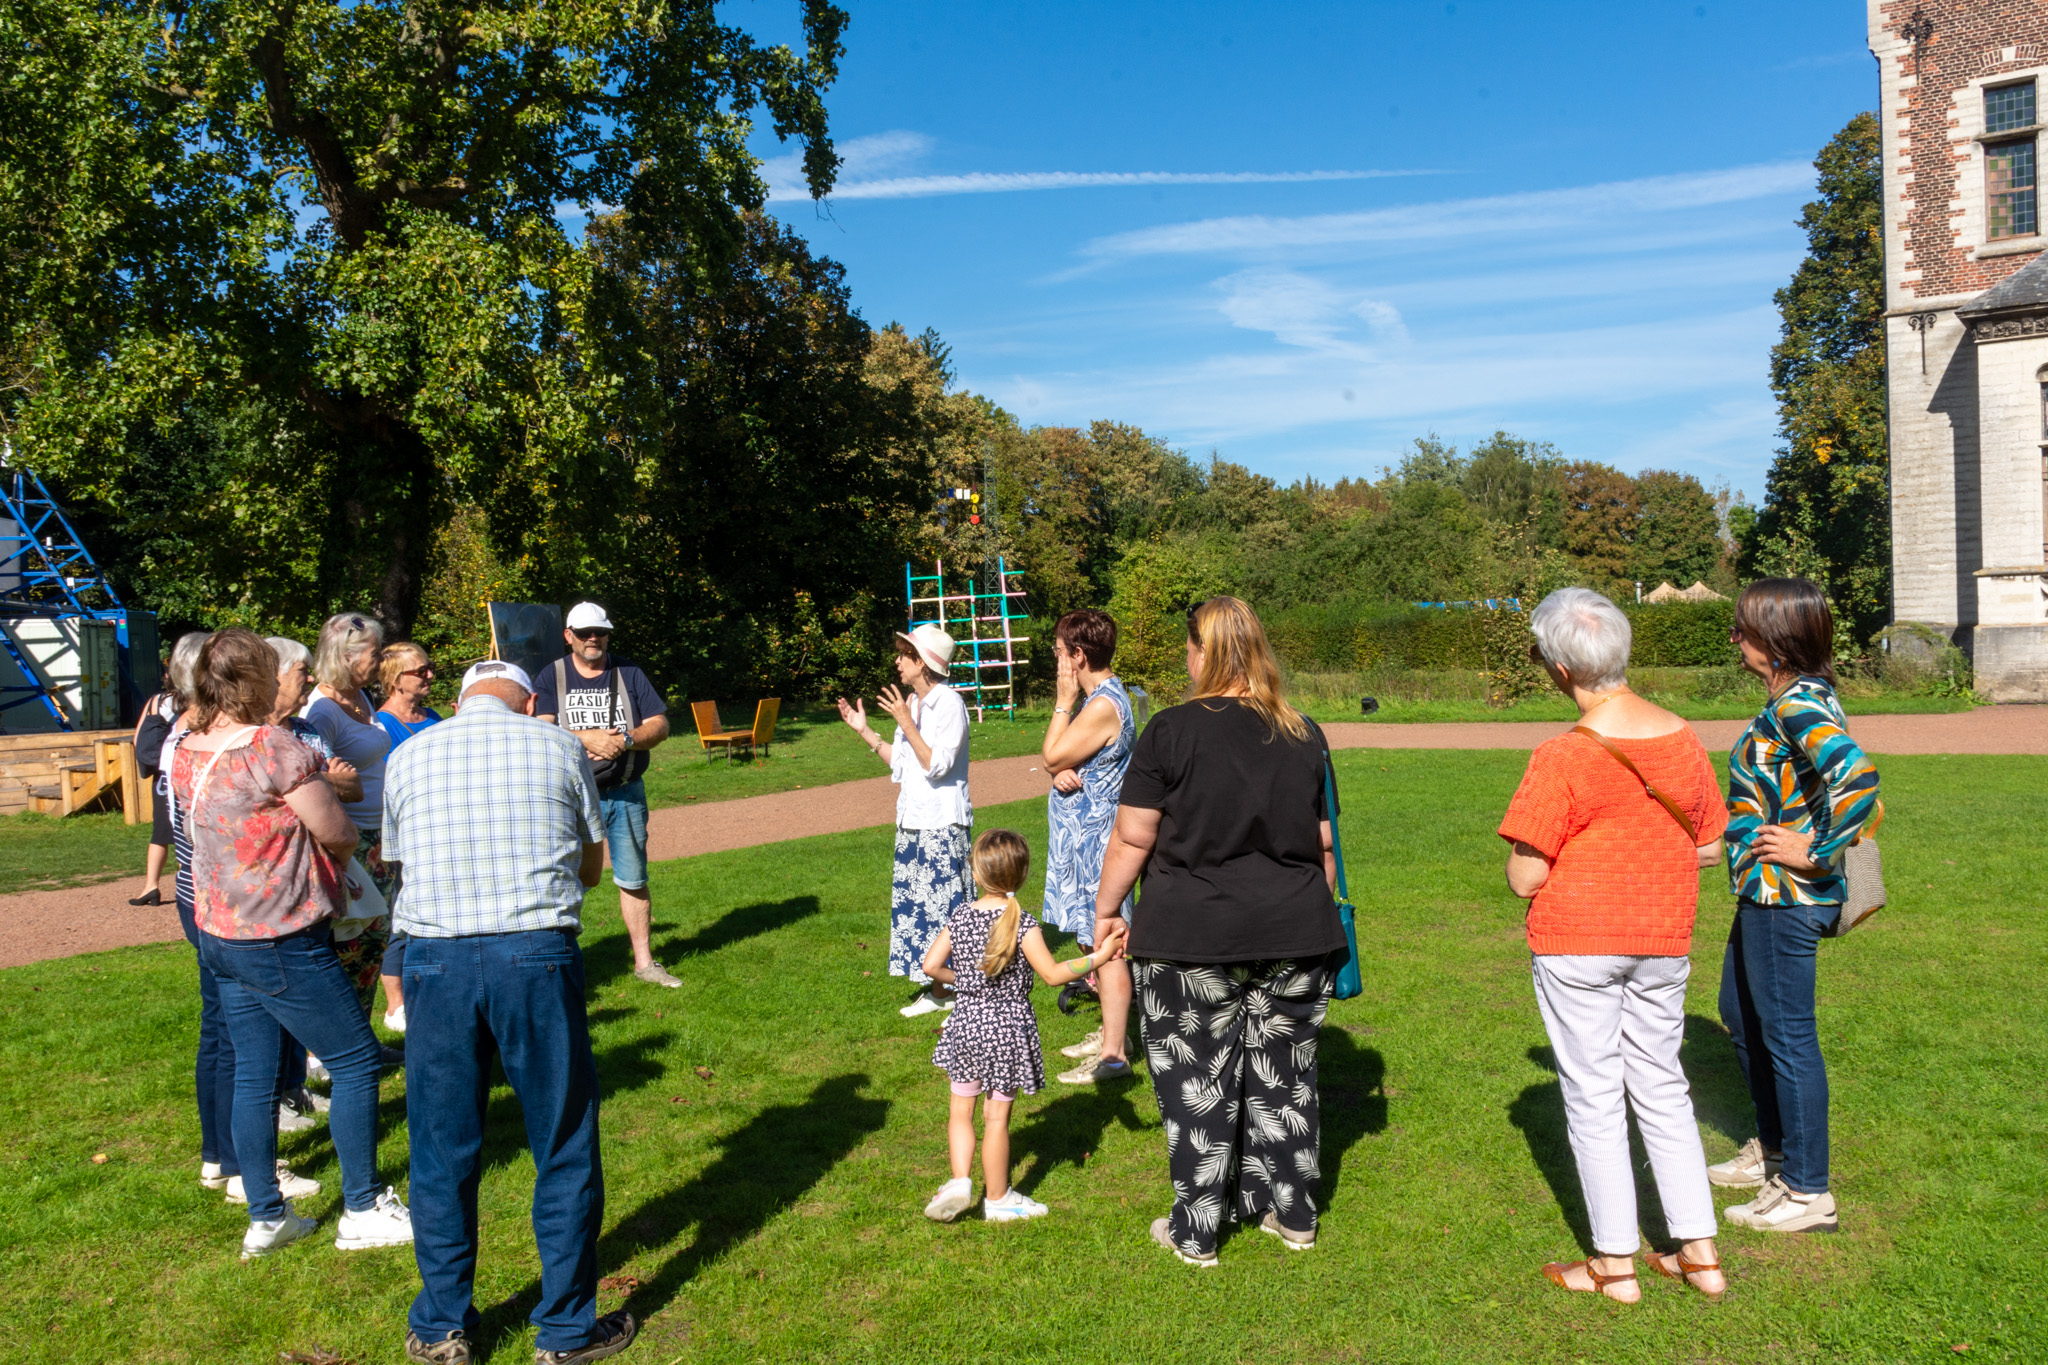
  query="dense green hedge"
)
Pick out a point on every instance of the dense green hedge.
point(1346, 636)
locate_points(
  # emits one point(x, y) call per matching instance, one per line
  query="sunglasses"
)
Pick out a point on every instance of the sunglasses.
point(590, 634)
point(423, 671)
point(1735, 635)
point(1535, 654)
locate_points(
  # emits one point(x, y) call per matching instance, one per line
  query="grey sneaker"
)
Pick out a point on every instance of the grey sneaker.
point(1101, 1069)
point(1091, 1046)
point(1779, 1209)
point(1161, 1236)
point(1289, 1238)
point(296, 1112)
point(615, 1332)
point(654, 974)
point(1748, 1167)
point(453, 1349)
point(263, 1238)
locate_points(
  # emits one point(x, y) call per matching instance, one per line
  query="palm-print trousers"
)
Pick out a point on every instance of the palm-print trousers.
point(1232, 1051)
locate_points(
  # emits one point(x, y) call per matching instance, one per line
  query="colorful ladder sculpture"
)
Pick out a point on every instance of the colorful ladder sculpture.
point(983, 619)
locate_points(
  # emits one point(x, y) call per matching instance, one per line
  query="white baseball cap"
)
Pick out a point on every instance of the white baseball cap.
point(495, 670)
point(588, 616)
point(933, 645)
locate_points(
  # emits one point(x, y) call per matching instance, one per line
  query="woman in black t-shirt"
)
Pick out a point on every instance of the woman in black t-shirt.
point(1223, 812)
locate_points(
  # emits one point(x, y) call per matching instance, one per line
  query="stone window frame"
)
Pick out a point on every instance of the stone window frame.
point(1971, 209)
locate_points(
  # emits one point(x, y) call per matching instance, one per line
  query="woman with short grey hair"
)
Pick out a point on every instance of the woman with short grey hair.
point(1608, 833)
point(345, 661)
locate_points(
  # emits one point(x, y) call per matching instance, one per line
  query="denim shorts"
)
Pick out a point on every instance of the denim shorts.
point(625, 831)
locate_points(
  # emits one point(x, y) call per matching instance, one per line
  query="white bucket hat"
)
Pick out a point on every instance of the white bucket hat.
point(933, 646)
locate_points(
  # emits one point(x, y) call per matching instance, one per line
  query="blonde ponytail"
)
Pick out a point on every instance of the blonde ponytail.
point(1002, 939)
point(1001, 861)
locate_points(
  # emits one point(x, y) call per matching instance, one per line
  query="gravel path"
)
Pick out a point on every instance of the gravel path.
point(90, 919)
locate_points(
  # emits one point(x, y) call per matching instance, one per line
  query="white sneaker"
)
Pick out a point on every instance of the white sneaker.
point(926, 1003)
point(1165, 1239)
point(951, 1201)
point(316, 1070)
point(1750, 1166)
point(290, 1184)
point(387, 1223)
point(1091, 1046)
point(1779, 1209)
point(263, 1238)
point(395, 1019)
point(1101, 1069)
point(1011, 1207)
point(210, 1177)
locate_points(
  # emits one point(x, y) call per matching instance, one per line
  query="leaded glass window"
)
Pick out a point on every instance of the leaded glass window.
point(2009, 106)
point(2009, 187)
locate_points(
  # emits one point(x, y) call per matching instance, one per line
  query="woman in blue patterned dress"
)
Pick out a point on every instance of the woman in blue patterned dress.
point(1800, 792)
point(1087, 747)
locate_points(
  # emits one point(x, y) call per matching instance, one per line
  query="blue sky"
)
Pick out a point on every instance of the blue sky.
point(1303, 234)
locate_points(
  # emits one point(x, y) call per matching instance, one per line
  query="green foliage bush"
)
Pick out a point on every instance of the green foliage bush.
point(1342, 636)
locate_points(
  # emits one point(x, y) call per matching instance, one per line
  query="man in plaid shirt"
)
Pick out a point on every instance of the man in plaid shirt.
point(492, 820)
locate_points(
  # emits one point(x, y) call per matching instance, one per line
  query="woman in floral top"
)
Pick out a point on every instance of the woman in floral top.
point(1799, 793)
point(269, 840)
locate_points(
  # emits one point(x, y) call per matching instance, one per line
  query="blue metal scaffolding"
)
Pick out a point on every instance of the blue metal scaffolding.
point(46, 572)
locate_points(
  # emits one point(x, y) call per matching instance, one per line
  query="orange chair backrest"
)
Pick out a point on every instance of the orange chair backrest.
point(706, 715)
point(764, 719)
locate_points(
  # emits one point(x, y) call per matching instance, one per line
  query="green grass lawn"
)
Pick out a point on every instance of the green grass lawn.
point(1549, 706)
point(771, 1212)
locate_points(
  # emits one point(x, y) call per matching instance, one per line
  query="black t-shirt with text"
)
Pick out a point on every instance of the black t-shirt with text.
point(1237, 872)
point(600, 704)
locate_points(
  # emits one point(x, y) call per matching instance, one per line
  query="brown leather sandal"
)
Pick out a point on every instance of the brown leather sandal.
point(1686, 1270)
point(1557, 1270)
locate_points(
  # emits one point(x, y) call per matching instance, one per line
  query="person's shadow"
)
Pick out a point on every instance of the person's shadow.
point(765, 1167)
point(612, 956)
point(1350, 1086)
point(1070, 1129)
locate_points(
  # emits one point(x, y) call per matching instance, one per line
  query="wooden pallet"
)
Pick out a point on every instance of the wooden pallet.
point(63, 774)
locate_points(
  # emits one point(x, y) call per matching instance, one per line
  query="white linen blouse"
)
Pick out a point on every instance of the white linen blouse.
point(933, 795)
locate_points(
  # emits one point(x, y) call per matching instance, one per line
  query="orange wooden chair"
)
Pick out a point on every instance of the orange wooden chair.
point(765, 713)
point(712, 734)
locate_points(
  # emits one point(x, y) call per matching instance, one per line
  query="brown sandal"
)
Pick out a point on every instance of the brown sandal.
point(1557, 1270)
point(1686, 1270)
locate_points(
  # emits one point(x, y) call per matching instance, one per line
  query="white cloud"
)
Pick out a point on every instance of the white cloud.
point(867, 164)
point(1299, 310)
point(1493, 215)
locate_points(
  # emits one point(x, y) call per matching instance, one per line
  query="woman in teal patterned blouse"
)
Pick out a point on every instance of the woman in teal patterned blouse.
point(1799, 793)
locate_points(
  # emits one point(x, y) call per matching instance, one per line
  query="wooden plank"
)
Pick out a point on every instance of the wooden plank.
point(135, 806)
point(24, 772)
point(60, 739)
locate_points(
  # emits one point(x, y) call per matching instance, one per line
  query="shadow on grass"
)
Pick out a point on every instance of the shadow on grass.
point(1720, 1096)
point(608, 958)
point(746, 922)
point(1539, 1112)
point(1068, 1130)
point(765, 1167)
point(1352, 1100)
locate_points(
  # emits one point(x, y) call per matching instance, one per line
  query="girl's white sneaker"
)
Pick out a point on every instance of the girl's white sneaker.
point(210, 1177)
point(1011, 1207)
point(395, 1020)
point(951, 1201)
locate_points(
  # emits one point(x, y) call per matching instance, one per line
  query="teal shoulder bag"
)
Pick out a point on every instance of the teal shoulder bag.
point(1348, 984)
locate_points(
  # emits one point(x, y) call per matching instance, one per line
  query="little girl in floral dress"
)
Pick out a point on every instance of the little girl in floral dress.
point(992, 953)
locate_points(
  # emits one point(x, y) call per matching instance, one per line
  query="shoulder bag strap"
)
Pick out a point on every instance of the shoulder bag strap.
point(562, 692)
point(1623, 759)
point(200, 785)
point(1336, 839)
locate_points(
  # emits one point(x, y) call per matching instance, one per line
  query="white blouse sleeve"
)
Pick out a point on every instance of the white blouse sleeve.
point(944, 727)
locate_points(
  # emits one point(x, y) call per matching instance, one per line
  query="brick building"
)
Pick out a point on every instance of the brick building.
point(1963, 106)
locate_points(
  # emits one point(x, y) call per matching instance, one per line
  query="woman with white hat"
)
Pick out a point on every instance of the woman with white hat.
point(928, 760)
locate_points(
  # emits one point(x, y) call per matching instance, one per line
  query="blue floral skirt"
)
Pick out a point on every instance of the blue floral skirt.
point(931, 879)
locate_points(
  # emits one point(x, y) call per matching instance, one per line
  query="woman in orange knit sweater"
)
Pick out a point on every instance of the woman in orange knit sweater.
point(1611, 874)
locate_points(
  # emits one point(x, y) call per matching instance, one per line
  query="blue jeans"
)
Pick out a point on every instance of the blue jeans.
point(272, 985)
point(1767, 989)
point(518, 997)
point(625, 829)
point(213, 1073)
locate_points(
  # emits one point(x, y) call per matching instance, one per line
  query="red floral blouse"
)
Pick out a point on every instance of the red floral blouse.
point(257, 872)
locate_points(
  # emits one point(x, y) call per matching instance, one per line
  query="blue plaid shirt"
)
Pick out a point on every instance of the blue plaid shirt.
point(489, 813)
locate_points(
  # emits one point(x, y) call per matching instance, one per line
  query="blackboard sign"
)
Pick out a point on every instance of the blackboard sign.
point(526, 634)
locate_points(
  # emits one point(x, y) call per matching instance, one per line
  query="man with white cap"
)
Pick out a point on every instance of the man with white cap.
point(608, 704)
point(934, 817)
point(491, 821)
